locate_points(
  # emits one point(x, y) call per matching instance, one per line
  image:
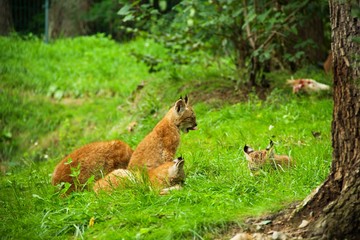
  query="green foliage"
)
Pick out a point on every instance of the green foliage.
point(103, 17)
point(141, 15)
point(39, 128)
point(257, 35)
point(251, 32)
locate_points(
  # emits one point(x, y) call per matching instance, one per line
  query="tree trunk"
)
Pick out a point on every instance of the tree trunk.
point(317, 52)
point(67, 18)
point(311, 16)
point(335, 206)
point(6, 22)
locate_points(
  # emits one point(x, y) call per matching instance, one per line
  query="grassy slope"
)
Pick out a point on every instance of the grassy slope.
point(57, 97)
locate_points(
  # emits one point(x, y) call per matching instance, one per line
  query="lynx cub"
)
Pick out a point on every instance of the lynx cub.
point(258, 159)
point(169, 174)
point(96, 159)
point(160, 145)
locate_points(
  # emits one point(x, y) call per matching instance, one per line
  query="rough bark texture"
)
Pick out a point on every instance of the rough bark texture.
point(335, 206)
point(6, 23)
point(67, 18)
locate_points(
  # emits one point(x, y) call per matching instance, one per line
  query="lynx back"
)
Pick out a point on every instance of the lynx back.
point(96, 159)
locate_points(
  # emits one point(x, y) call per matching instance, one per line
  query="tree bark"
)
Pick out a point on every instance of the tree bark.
point(335, 206)
point(67, 18)
point(6, 22)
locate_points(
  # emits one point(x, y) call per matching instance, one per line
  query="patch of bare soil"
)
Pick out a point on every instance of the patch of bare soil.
point(277, 226)
point(72, 101)
point(226, 94)
point(229, 95)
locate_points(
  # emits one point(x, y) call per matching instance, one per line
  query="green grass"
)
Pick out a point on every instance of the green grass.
point(57, 97)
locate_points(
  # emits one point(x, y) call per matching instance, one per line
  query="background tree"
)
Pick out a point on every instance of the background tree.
point(6, 23)
point(67, 18)
point(102, 17)
point(335, 205)
point(258, 35)
point(314, 41)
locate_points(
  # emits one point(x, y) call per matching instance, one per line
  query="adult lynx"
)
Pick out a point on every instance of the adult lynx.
point(98, 159)
point(160, 145)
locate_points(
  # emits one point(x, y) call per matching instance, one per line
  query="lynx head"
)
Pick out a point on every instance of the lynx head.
point(184, 115)
point(258, 158)
point(176, 171)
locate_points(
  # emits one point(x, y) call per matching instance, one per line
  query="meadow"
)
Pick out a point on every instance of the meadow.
point(57, 97)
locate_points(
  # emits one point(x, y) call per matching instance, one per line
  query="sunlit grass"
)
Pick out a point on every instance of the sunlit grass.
point(94, 78)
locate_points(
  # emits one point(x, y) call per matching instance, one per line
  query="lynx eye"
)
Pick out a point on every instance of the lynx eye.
point(188, 119)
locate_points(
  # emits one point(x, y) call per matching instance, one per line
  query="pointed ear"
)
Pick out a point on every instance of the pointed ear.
point(271, 144)
point(248, 149)
point(180, 106)
point(186, 99)
point(181, 164)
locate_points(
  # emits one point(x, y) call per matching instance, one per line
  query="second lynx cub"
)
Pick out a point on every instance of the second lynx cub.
point(160, 145)
point(169, 174)
point(261, 158)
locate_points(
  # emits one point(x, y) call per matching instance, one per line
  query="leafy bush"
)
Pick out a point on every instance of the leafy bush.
point(256, 35)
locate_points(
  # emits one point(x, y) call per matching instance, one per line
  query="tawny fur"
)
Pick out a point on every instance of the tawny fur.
point(259, 159)
point(114, 179)
point(160, 145)
point(168, 174)
point(98, 159)
point(282, 160)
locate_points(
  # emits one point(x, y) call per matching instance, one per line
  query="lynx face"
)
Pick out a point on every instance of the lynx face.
point(185, 118)
point(176, 172)
point(256, 159)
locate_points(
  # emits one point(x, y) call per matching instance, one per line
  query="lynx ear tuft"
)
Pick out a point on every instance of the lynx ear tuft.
point(186, 98)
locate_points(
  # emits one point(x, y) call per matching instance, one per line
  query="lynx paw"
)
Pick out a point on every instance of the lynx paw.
point(166, 191)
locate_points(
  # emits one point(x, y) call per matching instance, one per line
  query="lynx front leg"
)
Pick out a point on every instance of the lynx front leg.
point(166, 191)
